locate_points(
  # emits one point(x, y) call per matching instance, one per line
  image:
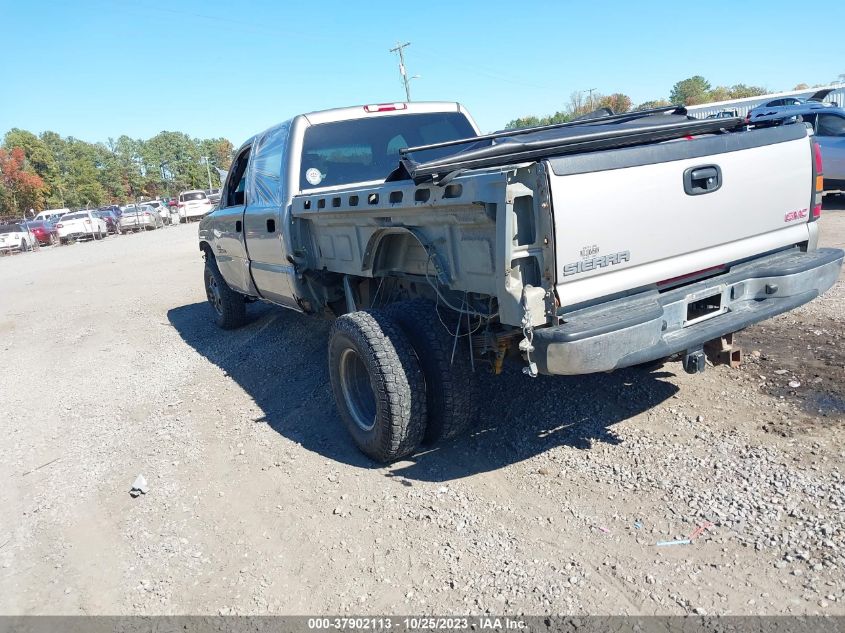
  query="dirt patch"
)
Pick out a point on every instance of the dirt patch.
point(803, 362)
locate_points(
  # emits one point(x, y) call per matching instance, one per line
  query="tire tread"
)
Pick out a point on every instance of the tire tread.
point(450, 384)
point(399, 385)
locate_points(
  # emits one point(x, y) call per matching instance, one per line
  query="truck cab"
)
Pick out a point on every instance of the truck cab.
point(250, 233)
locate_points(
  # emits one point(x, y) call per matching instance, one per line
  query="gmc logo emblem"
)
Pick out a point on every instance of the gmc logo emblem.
point(795, 215)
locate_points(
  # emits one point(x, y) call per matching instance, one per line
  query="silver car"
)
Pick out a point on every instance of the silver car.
point(143, 217)
point(828, 123)
point(829, 127)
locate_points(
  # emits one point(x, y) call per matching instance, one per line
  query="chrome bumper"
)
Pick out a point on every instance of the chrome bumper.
point(652, 325)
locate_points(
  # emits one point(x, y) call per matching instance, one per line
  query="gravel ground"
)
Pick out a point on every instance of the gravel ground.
point(258, 503)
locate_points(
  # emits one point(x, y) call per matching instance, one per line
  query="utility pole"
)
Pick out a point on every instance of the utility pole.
point(399, 49)
point(591, 90)
point(208, 171)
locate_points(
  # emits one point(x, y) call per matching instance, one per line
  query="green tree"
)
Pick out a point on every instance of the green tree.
point(37, 153)
point(719, 93)
point(655, 103)
point(617, 102)
point(691, 91)
point(741, 91)
point(533, 121)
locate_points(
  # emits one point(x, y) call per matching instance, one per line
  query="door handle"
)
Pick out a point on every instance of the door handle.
point(702, 179)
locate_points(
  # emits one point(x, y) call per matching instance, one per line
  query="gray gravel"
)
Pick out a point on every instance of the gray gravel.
point(257, 503)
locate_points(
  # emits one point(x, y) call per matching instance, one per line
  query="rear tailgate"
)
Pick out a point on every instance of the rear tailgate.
point(626, 219)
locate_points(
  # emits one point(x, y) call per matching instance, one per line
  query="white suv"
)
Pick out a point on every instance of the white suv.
point(194, 204)
point(80, 224)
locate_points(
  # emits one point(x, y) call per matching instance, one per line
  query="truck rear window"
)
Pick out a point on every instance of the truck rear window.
point(361, 150)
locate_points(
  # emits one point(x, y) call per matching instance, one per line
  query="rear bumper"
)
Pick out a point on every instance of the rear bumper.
point(74, 234)
point(652, 325)
point(139, 224)
point(195, 212)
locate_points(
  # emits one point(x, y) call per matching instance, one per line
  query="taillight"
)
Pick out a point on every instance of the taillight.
point(87, 221)
point(385, 107)
point(60, 226)
point(147, 213)
point(818, 181)
point(181, 204)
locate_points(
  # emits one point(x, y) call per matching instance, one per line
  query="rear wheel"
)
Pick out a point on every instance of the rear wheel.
point(229, 307)
point(24, 246)
point(450, 383)
point(378, 385)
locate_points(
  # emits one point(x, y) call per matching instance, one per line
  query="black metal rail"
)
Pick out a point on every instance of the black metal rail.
point(617, 118)
point(599, 138)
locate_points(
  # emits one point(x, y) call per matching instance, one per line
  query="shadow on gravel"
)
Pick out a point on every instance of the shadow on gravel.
point(279, 359)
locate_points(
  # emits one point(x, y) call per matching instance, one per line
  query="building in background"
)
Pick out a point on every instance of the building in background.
point(740, 107)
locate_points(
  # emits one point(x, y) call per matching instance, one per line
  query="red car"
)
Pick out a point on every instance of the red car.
point(44, 232)
point(111, 220)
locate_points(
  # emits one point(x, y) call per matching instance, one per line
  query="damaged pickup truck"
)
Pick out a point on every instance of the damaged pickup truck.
point(574, 248)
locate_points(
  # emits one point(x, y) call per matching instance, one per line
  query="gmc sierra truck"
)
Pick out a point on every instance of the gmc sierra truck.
point(581, 247)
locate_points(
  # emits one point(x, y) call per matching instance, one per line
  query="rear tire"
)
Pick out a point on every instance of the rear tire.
point(228, 306)
point(378, 385)
point(450, 384)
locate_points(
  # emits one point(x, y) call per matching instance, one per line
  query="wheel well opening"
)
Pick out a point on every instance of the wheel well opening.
point(400, 252)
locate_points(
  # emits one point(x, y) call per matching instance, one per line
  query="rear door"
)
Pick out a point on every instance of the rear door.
point(230, 251)
point(629, 218)
point(263, 227)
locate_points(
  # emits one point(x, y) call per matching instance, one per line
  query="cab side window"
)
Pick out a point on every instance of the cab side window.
point(267, 162)
point(830, 125)
point(235, 194)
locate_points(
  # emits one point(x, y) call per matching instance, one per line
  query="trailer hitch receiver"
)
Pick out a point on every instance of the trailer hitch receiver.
point(695, 361)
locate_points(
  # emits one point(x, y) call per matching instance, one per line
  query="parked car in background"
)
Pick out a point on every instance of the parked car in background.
point(776, 109)
point(723, 114)
point(51, 214)
point(144, 217)
point(161, 207)
point(81, 224)
point(829, 127)
point(193, 205)
point(16, 237)
point(828, 124)
point(213, 195)
point(112, 207)
point(45, 232)
point(111, 219)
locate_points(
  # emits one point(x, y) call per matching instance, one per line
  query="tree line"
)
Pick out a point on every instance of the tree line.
point(694, 90)
point(49, 171)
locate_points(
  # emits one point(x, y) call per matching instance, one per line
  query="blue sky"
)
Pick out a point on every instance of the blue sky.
point(94, 69)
